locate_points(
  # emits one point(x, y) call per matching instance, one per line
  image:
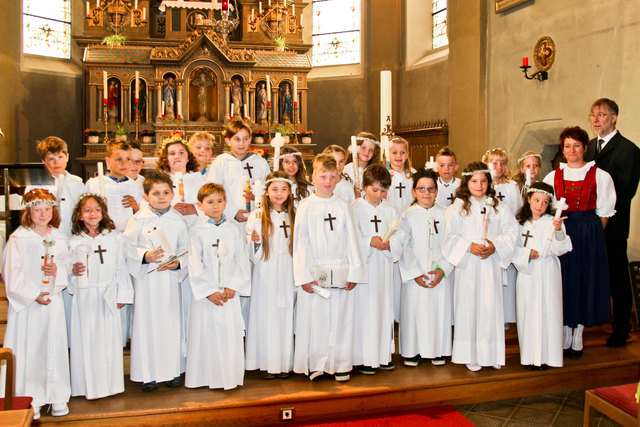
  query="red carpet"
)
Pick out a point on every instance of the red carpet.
point(436, 416)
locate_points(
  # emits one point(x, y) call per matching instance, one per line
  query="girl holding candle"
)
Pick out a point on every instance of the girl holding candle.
point(270, 328)
point(427, 289)
point(507, 192)
point(101, 286)
point(479, 239)
point(591, 197)
point(369, 154)
point(291, 163)
point(344, 188)
point(539, 288)
point(35, 273)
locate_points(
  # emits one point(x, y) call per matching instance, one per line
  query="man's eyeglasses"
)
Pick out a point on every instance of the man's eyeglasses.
point(426, 189)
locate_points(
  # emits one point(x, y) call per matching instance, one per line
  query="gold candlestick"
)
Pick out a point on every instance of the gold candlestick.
point(105, 120)
point(268, 122)
point(137, 123)
point(295, 122)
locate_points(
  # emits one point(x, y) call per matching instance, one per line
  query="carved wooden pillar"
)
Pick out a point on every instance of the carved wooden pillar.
point(159, 99)
point(227, 88)
point(252, 104)
point(179, 99)
point(247, 102)
point(275, 104)
point(125, 104)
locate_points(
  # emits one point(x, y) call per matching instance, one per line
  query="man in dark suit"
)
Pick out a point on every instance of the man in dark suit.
point(621, 159)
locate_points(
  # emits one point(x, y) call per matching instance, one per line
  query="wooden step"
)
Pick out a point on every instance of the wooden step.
point(259, 401)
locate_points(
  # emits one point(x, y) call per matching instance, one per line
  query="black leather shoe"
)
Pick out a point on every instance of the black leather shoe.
point(575, 354)
point(617, 340)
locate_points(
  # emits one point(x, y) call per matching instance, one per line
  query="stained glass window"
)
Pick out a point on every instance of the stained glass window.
point(439, 23)
point(47, 28)
point(336, 32)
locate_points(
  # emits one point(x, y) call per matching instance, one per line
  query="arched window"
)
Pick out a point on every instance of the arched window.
point(46, 28)
point(439, 24)
point(336, 32)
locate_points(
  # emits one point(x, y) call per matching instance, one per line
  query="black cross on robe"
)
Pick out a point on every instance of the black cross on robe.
point(400, 187)
point(451, 198)
point(500, 196)
point(526, 237)
point(435, 225)
point(330, 219)
point(100, 251)
point(375, 221)
point(248, 167)
point(483, 211)
point(284, 227)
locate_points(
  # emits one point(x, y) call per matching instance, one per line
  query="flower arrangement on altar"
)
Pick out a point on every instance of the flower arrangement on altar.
point(305, 133)
point(92, 132)
point(261, 133)
point(263, 153)
point(147, 132)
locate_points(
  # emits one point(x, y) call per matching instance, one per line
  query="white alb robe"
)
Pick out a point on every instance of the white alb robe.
point(425, 321)
point(96, 331)
point(349, 171)
point(325, 233)
point(344, 189)
point(447, 191)
point(539, 292)
point(478, 308)
point(37, 334)
point(157, 342)
point(509, 194)
point(217, 260)
point(270, 329)
point(373, 341)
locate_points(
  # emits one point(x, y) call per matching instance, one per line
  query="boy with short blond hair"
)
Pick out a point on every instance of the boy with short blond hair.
point(122, 194)
point(218, 269)
point(447, 182)
point(327, 265)
point(154, 235)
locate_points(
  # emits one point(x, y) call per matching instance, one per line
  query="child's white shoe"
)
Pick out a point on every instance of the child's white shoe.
point(59, 409)
point(473, 368)
point(36, 412)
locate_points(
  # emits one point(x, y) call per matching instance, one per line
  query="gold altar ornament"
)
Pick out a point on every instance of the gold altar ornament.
point(544, 53)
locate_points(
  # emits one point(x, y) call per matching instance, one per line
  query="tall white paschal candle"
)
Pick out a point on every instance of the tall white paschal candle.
point(385, 99)
point(295, 90)
point(137, 87)
point(105, 94)
point(268, 89)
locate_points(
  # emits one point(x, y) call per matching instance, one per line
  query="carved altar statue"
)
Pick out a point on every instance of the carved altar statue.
point(113, 101)
point(261, 103)
point(202, 84)
point(169, 96)
point(236, 98)
point(286, 104)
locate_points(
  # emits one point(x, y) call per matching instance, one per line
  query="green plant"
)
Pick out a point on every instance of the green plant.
point(122, 130)
point(280, 42)
point(283, 130)
point(115, 40)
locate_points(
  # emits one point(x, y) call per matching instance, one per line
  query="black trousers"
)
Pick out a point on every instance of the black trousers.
point(620, 283)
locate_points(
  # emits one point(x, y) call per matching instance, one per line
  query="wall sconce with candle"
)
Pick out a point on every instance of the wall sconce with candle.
point(544, 54)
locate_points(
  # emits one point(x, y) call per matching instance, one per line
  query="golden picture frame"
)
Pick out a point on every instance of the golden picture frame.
point(502, 5)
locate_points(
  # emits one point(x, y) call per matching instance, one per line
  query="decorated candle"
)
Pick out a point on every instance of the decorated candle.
point(385, 100)
point(179, 104)
point(137, 87)
point(277, 143)
point(295, 90)
point(105, 89)
point(354, 155)
point(100, 178)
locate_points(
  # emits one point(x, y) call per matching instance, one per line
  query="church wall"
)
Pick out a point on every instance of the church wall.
point(597, 56)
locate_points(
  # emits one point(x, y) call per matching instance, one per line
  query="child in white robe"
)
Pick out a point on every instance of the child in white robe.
point(291, 163)
point(368, 154)
point(344, 188)
point(100, 286)
point(479, 240)
point(236, 170)
point(427, 289)
point(35, 273)
point(400, 196)
point(155, 235)
point(542, 239)
point(529, 167)
point(218, 269)
point(327, 264)
point(509, 195)
point(270, 247)
point(448, 184)
point(201, 144)
point(137, 163)
point(373, 342)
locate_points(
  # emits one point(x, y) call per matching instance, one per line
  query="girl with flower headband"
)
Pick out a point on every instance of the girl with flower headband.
point(530, 161)
point(178, 161)
point(101, 286)
point(270, 329)
point(369, 154)
point(35, 273)
point(479, 239)
point(542, 239)
point(344, 188)
point(508, 193)
point(291, 163)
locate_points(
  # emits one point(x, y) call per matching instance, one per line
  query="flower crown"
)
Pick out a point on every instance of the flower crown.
point(495, 150)
point(531, 190)
point(523, 158)
point(362, 138)
point(174, 137)
point(471, 173)
point(287, 180)
point(40, 201)
point(94, 195)
point(295, 153)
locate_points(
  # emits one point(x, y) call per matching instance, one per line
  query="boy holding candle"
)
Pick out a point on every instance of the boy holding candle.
point(327, 264)
point(156, 237)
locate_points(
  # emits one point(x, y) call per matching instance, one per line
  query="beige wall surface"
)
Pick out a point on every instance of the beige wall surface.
point(597, 56)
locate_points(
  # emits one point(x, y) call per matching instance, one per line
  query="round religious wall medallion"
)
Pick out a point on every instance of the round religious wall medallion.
point(544, 53)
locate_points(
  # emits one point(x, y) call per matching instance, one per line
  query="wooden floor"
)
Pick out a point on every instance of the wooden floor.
point(259, 402)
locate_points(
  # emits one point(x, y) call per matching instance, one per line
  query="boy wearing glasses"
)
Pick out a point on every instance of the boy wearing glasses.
point(426, 305)
point(373, 342)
